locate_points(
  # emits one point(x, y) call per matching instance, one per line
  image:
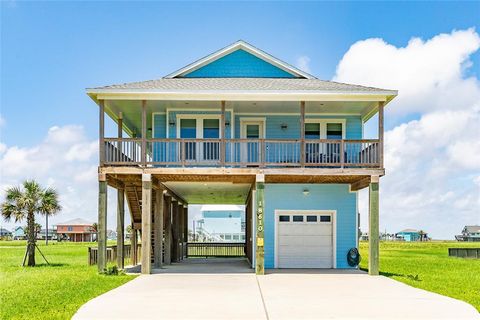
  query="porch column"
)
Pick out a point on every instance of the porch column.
point(119, 135)
point(180, 231)
point(144, 133)
point(101, 131)
point(133, 246)
point(102, 223)
point(168, 230)
point(302, 133)
point(158, 229)
point(260, 198)
point(373, 237)
point(146, 223)
point(185, 223)
point(380, 133)
point(222, 134)
point(120, 227)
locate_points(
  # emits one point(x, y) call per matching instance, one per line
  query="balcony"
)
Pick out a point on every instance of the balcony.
point(241, 153)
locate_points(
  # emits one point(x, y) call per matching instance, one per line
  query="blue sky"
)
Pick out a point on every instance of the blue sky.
point(52, 51)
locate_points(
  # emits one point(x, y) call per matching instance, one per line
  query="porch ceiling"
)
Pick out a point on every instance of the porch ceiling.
point(132, 116)
point(210, 192)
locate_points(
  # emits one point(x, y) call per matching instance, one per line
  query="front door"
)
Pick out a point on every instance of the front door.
point(201, 128)
point(250, 151)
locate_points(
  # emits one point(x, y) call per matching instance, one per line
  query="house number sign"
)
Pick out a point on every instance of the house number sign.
point(260, 223)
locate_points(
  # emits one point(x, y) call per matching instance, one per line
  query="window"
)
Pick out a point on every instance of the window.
point(325, 218)
point(334, 131)
point(211, 128)
point(311, 218)
point(228, 237)
point(236, 237)
point(312, 130)
point(69, 228)
point(297, 218)
point(253, 131)
point(284, 218)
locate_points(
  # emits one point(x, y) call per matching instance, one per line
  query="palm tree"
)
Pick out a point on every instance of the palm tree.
point(23, 203)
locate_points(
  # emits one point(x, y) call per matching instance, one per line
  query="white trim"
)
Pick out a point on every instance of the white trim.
point(304, 212)
point(296, 114)
point(199, 126)
point(261, 120)
point(217, 112)
point(234, 47)
point(323, 125)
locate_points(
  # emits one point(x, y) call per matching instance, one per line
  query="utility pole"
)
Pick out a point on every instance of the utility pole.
point(46, 233)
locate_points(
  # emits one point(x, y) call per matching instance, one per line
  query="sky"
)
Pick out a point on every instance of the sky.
point(429, 51)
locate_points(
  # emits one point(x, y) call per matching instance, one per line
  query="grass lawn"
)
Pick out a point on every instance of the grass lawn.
point(49, 292)
point(426, 265)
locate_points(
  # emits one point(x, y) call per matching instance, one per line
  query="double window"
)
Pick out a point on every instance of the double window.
point(200, 128)
point(308, 218)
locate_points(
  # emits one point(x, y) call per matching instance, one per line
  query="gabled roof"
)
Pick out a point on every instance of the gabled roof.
point(75, 222)
point(472, 229)
point(240, 45)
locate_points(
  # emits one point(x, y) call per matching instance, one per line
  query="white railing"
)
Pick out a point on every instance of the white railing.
point(242, 152)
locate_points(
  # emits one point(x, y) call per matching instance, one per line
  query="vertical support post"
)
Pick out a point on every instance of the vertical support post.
point(181, 228)
point(146, 223)
point(260, 198)
point(373, 233)
point(302, 134)
point(120, 227)
point(158, 229)
point(120, 135)
point(185, 224)
point(101, 131)
point(168, 230)
point(222, 134)
point(380, 133)
point(133, 245)
point(102, 223)
point(144, 133)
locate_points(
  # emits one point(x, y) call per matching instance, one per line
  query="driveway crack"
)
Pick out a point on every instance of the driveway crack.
point(263, 300)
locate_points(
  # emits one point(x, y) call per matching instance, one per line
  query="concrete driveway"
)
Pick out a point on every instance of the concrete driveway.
point(228, 289)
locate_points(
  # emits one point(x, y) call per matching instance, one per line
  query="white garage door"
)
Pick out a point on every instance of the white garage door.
point(304, 240)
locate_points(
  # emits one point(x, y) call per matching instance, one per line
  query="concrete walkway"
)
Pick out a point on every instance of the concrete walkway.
point(228, 289)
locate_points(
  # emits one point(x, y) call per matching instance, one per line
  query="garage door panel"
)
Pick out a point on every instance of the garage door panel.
point(304, 244)
point(295, 240)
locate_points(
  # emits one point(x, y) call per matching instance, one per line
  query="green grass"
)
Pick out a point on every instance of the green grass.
point(426, 265)
point(53, 291)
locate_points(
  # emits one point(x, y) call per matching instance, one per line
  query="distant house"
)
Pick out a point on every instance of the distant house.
point(76, 230)
point(412, 235)
point(224, 223)
point(52, 234)
point(470, 234)
point(5, 233)
point(19, 234)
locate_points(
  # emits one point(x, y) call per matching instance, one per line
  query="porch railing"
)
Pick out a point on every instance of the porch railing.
point(243, 152)
point(215, 249)
point(112, 253)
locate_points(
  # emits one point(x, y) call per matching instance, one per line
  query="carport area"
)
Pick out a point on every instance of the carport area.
point(229, 289)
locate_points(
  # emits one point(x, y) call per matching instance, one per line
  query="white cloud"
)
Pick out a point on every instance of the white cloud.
point(432, 163)
point(66, 160)
point(303, 63)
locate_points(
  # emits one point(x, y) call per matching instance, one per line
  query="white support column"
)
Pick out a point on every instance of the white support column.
point(146, 223)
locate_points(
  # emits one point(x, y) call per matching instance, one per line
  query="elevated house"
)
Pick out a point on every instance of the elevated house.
point(223, 223)
point(412, 235)
point(4, 233)
point(240, 126)
point(19, 233)
point(76, 230)
point(470, 234)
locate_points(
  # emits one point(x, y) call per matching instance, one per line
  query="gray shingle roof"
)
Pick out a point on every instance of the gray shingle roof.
point(243, 84)
point(472, 229)
point(77, 222)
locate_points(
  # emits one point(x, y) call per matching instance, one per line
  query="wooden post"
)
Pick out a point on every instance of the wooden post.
point(158, 229)
point(101, 132)
point(133, 246)
point(373, 233)
point(146, 223)
point(120, 134)
point(120, 227)
point(102, 223)
point(260, 252)
point(380, 133)
point(180, 231)
point(168, 230)
point(185, 224)
point(302, 133)
point(144, 133)
point(222, 135)
point(175, 230)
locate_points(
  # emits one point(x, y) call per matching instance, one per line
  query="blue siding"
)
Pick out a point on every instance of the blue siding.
point(322, 197)
point(239, 64)
point(274, 122)
point(159, 124)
